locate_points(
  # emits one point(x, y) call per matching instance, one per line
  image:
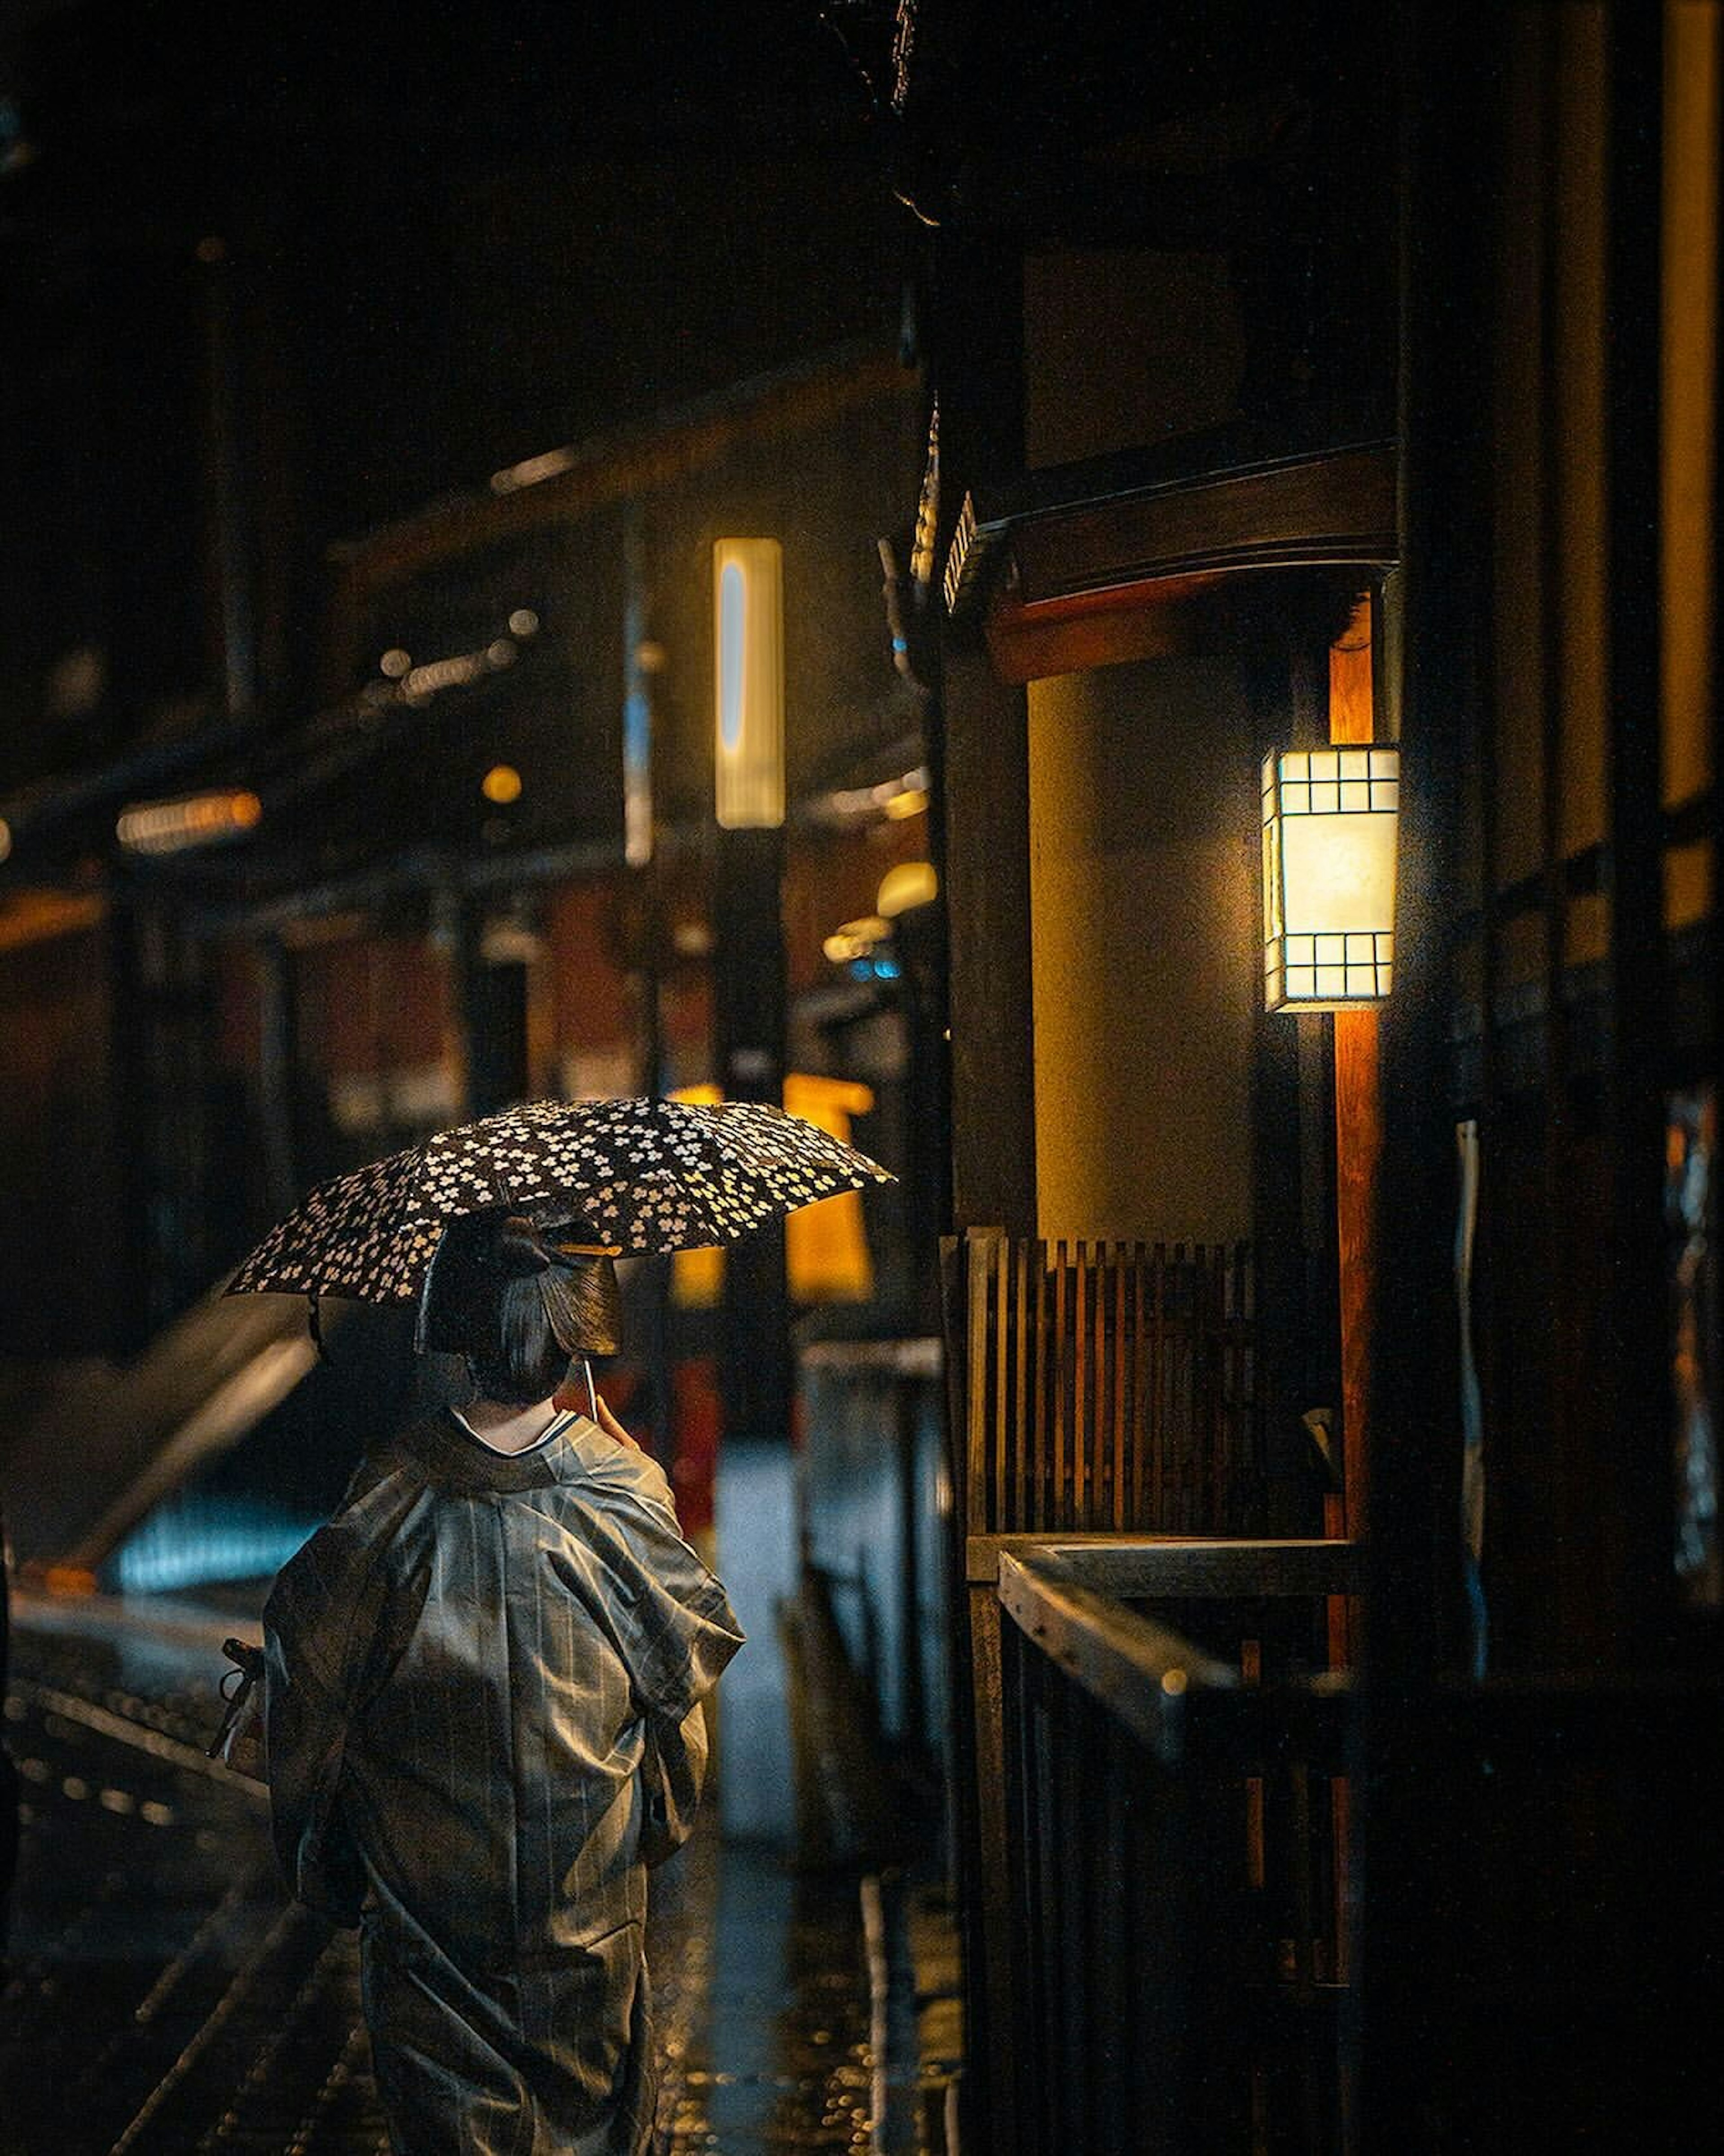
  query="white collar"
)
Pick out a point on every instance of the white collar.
point(558, 1423)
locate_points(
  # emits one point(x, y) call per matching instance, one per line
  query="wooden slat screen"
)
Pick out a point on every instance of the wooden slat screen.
point(1112, 1386)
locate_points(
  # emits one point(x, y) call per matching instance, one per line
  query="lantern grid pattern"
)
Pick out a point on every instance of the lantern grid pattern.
point(1329, 829)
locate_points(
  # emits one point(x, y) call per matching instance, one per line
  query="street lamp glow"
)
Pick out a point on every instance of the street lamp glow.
point(193, 819)
point(905, 886)
point(748, 699)
point(1329, 819)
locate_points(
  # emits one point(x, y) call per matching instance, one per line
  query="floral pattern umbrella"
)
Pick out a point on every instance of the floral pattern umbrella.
point(640, 1175)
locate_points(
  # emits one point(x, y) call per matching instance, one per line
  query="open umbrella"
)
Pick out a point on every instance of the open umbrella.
point(639, 1175)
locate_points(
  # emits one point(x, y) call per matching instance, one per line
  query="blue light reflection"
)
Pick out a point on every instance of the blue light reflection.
point(199, 1537)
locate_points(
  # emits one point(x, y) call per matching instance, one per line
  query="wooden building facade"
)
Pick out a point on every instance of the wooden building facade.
point(1334, 1398)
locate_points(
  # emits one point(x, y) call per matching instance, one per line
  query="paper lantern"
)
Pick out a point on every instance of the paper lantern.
point(1329, 828)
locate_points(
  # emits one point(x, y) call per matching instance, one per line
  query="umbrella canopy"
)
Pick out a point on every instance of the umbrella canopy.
point(640, 1175)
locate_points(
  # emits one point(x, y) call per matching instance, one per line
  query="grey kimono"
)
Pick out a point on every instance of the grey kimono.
point(482, 1679)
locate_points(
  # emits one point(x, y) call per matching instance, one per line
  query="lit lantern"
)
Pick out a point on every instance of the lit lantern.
point(748, 636)
point(1329, 821)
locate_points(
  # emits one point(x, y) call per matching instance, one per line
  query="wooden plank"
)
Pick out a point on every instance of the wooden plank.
point(1209, 1328)
point(1256, 1847)
point(1007, 1440)
point(1175, 1566)
point(954, 1326)
point(1123, 1268)
point(1041, 1485)
point(1155, 618)
point(1177, 1445)
point(1057, 1510)
point(1082, 1406)
point(1162, 1687)
point(1102, 1440)
point(1140, 1515)
point(1232, 1458)
point(1226, 1498)
point(1358, 1112)
point(989, 1713)
point(1022, 1255)
point(1336, 507)
point(984, 1551)
point(1156, 1514)
point(1194, 1566)
point(1358, 1151)
point(1109, 1385)
point(976, 1247)
point(1036, 1884)
point(1141, 1671)
point(1351, 713)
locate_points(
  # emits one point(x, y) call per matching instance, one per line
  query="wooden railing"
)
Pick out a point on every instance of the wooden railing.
point(1149, 1840)
point(1153, 1839)
point(1168, 1959)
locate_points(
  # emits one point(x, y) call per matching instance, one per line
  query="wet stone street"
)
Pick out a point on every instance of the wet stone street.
point(161, 1997)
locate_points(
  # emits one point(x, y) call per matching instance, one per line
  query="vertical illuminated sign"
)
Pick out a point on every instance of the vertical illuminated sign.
point(748, 637)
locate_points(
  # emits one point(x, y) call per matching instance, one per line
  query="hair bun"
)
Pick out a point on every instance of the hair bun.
point(520, 1249)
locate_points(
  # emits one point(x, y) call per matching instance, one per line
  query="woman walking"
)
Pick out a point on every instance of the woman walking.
point(483, 1722)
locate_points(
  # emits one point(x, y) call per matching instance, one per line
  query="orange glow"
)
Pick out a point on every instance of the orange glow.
point(908, 886)
point(1694, 61)
point(501, 783)
point(195, 819)
point(826, 1255)
point(69, 1579)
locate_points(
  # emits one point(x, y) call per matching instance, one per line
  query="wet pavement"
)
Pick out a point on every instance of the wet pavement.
point(160, 1996)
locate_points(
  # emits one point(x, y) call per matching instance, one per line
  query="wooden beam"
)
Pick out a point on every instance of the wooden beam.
point(1153, 618)
point(1075, 533)
point(1358, 1119)
point(1164, 1688)
point(1339, 507)
point(1173, 1568)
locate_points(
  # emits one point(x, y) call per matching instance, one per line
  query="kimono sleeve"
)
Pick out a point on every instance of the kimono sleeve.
point(304, 1744)
point(318, 1604)
point(672, 1772)
point(671, 1618)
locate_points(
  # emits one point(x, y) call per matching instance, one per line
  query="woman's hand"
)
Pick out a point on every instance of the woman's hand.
point(611, 1427)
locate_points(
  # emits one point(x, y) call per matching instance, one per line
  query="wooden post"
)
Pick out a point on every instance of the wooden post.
point(1358, 1146)
point(1358, 1121)
point(749, 983)
point(987, 1681)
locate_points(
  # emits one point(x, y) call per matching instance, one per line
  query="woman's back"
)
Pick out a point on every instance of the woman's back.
point(481, 1671)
